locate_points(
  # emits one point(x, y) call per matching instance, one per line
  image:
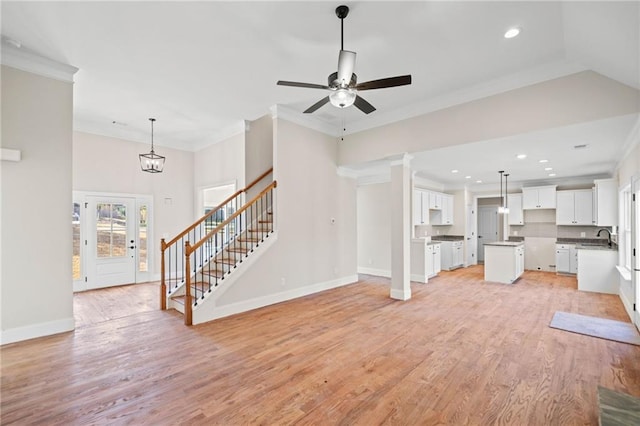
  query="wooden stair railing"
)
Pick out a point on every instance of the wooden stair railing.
point(255, 218)
point(171, 253)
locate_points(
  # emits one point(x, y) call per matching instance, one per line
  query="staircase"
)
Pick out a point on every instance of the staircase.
point(200, 260)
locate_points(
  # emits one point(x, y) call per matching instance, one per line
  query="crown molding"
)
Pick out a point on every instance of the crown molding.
point(305, 120)
point(238, 128)
point(25, 60)
point(346, 172)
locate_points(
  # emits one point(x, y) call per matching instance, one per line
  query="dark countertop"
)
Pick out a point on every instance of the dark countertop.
point(602, 241)
point(447, 237)
point(516, 239)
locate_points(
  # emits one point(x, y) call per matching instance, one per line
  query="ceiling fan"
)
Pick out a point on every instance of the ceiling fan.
point(343, 84)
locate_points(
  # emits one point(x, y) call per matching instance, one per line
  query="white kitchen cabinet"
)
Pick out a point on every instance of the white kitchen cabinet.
point(452, 254)
point(574, 207)
point(597, 270)
point(503, 261)
point(516, 216)
point(539, 197)
point(566, 259)
point(435, 200)
point(425, 260)
point(420, 207)
point(605, 202)
point(445, 215)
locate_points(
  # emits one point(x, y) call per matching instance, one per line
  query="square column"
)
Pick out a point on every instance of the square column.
point(401, 228)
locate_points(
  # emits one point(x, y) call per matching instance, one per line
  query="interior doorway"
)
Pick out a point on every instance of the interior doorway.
point(488, 227)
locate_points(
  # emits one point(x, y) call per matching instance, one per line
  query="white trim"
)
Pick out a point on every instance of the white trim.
point(10, 154)
point(419, 278)
point(259, 302)
point(401, 160)
point(399, 294)
point(628, 305)
point(305, 120)
point(33, 331)
point(24, 60)
point(386, 273)
point(625, 274)
point(374, 179)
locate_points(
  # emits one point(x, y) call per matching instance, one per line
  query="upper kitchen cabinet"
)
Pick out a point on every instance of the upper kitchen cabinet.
point(420, 207)
point(435, 200)
point(444, 216)
point(516, 216)
point(539, 197)
point(574, 207)
point(605, 202)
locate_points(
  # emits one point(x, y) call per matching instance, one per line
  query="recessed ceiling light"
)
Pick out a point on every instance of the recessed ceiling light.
point(543, 161)
point(552, 174)
point(454, 171)
point(478, 181)
point(521, 156)
point(548, 168)
point(512, 32)
point(467, 177)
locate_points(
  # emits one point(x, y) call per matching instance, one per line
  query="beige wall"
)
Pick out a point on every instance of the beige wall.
point(374, 229)
point(311, 253)
point(259, 148)
point(104, 164)
point(577, 98)
point(36, 286)
point(221, 163)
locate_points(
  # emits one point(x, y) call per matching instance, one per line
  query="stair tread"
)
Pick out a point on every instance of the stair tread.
point(238, 249)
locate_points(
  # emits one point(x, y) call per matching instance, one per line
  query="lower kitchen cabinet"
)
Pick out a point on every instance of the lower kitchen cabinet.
point(566, 259)
point(452, 254)
point(425, 260)
point(503, 262)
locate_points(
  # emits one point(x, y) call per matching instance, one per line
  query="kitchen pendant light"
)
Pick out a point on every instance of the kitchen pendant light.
point(151, 162)
point(505, 209)
point(501, 207)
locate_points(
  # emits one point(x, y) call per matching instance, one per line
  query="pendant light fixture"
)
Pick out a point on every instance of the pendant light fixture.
point(505, 210)
point(501, 208)
point(151, 162)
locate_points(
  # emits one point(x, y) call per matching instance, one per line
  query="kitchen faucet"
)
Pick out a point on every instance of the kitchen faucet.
point(608, 233)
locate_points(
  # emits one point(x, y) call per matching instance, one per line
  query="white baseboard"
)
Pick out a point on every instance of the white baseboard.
point(259, 302)
point(400, 294)
point(419, 278)
point(372, 271)
point(36, 330)
point(628, 305)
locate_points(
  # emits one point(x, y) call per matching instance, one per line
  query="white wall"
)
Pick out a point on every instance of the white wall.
point(104, 164)
point(374, 229)
point(36, 285)
point(311, 253)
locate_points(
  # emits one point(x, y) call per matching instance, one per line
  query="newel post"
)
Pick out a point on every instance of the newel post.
point(163, 285)
point(188, 314)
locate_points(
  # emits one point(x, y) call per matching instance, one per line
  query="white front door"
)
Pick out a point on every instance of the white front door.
point(487, 228)
point(111, 241)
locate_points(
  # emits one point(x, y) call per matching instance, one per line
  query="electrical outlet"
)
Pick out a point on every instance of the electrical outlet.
point(583, 234)
point(515, 233)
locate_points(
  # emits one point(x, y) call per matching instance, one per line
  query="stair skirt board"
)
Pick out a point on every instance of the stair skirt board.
point(260, 302)
point(210, 298)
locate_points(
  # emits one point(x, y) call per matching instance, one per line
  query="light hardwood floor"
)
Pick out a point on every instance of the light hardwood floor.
point(461, 351)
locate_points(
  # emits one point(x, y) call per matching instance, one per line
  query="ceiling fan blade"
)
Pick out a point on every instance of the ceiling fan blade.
point(363, 105)
point(317, 105)
point(346, 64)
point(305, 85)
point(401, 80)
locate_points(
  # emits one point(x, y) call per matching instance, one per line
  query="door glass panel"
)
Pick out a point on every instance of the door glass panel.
point(111, 230)
point(75, 226)
point(142, 239)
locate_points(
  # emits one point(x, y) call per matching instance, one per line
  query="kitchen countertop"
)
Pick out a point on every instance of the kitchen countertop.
point(603, 247)
point(447, 237)
point(505, 243)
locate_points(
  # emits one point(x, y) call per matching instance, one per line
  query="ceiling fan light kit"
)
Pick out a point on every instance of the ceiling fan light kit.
point(343, 83)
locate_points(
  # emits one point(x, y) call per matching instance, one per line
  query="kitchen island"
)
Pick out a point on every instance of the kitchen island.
point(503, 261)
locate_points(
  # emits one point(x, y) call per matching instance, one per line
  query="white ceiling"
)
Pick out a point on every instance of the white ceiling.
point(201, 68)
